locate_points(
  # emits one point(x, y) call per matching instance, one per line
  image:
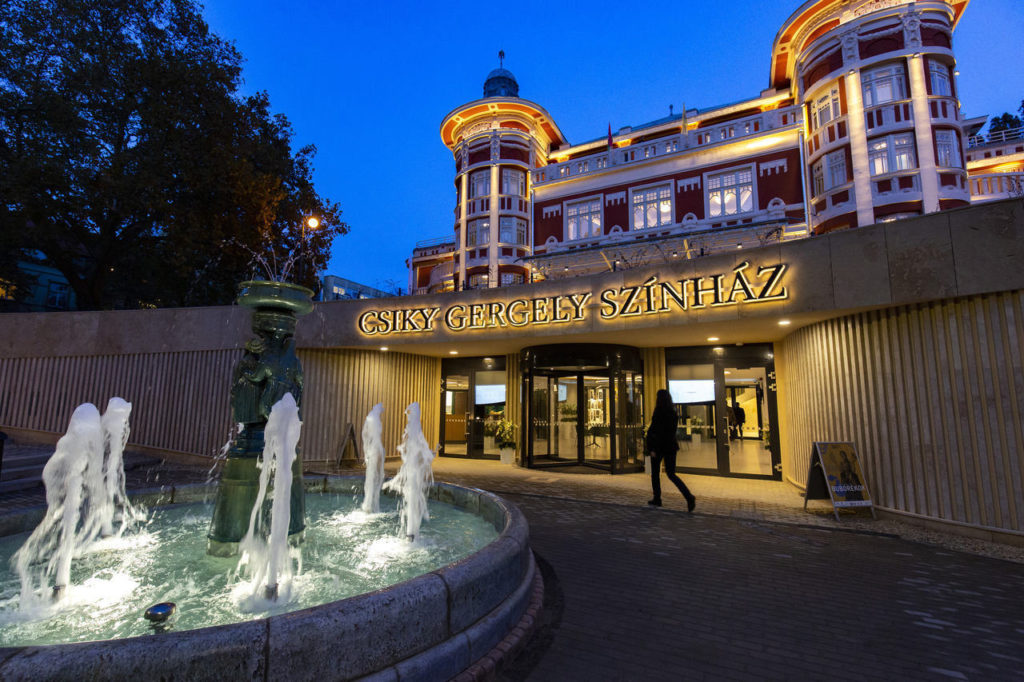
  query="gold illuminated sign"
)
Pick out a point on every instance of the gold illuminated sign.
point(744, 285)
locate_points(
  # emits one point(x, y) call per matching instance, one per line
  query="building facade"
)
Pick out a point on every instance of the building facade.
point(860, 124)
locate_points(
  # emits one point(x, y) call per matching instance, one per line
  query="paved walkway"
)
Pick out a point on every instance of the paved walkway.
point(749, 587)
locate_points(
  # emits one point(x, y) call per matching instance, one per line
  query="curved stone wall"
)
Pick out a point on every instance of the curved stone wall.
point(429, 628)
point(933, 396)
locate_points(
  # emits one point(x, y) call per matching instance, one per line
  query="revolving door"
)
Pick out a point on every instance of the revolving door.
point(584, 407)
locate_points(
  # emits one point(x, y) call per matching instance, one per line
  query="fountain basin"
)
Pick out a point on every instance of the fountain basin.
point(430, 627)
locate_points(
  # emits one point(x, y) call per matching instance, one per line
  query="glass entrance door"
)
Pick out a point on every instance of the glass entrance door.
point(585, 407)
point(749, 429)
point(726, 402)
point(597, 428)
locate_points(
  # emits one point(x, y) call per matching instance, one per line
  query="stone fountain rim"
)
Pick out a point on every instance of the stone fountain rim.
point(485, 594)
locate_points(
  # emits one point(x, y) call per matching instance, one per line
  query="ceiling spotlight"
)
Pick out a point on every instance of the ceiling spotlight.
point(383, 347)
point(712, 338)
point(453, 352)
point(675, 254)
point(784, 323)
point(739, 246)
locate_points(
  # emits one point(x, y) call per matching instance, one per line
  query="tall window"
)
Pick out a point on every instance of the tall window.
point(730, 193)
point(480, 183)
point(884, 85)
point(938, 73)
point(891, 153)
point(512, 278)
point(829, 172)
point(652, 207)
point(513, 182)
point(479, 232)
point(511, 230)
point(948, 149)
point(583, 219)
point(826, 108)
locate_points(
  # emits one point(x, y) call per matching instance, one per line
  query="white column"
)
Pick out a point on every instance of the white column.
point(461, 246)
point(859, 149)
point(923, 132)
point(492, 247)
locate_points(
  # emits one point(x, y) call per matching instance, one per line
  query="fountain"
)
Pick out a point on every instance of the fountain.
point(267, 371)
point(415, 475)
point(425, 609)
point(373, 457)
point(266, 555)
point(84, 481)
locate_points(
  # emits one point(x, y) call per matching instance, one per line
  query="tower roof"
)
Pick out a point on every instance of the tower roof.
point(501, 83)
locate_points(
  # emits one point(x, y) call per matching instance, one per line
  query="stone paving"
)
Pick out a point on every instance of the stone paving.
point(748, 587)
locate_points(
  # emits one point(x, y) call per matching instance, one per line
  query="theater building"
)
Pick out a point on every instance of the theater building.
point(904, 335)
point(860, 123)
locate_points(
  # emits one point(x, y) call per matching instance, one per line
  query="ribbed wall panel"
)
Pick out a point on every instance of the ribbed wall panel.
point(179, 400)
point(513, 397)
point(933, 396)
point(342, 386)
point(655, 378)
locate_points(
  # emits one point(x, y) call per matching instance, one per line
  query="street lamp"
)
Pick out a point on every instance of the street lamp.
point(312, 222)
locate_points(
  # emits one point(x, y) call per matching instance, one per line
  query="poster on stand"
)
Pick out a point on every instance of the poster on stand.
point(835, 474)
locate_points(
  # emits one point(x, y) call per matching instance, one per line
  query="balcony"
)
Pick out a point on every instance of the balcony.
point(668, 146)
point(994, 186)
point(433, 247)
point(440, 276)
point(996, 138)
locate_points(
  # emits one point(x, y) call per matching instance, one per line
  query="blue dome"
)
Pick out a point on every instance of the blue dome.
point(501, 83)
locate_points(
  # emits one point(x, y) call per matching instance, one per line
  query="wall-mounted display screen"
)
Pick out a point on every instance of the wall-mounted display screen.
point(488, 394)
point(686, 391)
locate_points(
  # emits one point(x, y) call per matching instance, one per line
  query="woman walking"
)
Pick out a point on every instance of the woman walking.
point(661, 444)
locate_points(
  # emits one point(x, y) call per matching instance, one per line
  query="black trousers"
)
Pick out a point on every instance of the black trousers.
point(670, 471)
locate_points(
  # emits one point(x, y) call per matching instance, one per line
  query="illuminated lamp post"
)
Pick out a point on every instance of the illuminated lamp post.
point(312, 223)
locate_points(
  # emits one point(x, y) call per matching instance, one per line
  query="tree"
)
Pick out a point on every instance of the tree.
point(130, 161)
point(1005, 122)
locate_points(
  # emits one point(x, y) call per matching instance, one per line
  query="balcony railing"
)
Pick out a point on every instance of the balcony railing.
point(441, 272)
point(436, 241)
point(992, 186)
point(722, 133)
point(998, 137)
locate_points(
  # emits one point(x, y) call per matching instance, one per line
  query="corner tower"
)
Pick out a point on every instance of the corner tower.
point(496, 140)
point(883, 134)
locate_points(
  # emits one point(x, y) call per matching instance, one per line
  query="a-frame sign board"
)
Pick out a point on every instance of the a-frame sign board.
point(834, 474)
point(349, 451)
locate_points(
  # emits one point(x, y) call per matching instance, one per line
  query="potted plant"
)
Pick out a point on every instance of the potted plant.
point(505, 439)
point(490, 426)
point(696, 427)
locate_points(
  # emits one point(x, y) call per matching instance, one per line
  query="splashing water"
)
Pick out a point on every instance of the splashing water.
point(115, 432)
point(84, 491)
point(267, 558)
point(373, 456)
point(415, 475)
point(222, 454)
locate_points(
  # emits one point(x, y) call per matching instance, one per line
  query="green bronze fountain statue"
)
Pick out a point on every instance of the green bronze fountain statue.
point(267, 371)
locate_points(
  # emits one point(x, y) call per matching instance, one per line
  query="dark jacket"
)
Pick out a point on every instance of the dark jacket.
point(661, 434)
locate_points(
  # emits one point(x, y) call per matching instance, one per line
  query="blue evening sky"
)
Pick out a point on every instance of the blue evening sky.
point(369, 82)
